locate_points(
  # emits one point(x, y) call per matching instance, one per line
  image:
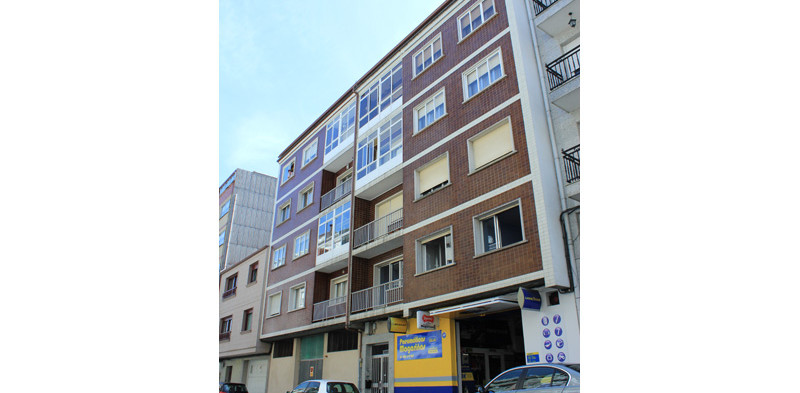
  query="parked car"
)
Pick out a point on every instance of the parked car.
point(546, 377)
point(229, 387)
point(325, 386)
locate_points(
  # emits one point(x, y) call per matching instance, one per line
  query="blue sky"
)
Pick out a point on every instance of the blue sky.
point(282, 63)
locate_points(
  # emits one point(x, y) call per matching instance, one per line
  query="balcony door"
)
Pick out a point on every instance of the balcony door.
point(387, 278)
point(394, 203)
point(338, 295)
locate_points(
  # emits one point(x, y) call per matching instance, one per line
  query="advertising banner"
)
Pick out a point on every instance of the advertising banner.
point(419, 346)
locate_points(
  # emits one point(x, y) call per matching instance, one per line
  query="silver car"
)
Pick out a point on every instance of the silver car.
point(325, 386)
point(539, 378)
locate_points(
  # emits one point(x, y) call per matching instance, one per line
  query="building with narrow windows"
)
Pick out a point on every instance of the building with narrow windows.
point(246, 203)
point(243, 357)
point(426, 225)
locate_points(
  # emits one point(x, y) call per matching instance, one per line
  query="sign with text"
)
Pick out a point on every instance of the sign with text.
point(529, 299)
point(397, 325)
point(425, 321)
point(420, 346)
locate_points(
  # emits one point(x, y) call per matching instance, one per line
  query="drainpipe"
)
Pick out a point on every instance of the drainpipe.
point(352, 223)
point(564, 227)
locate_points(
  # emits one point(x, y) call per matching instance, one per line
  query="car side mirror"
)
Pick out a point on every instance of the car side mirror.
point(481, 389)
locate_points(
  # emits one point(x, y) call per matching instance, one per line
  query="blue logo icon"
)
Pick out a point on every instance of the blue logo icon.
point(558, 331)
point(546, 332)
point(559, 343)
point(549, 358)
point(556, 318)
point(444, 335)
point(547, 344)
point(545, 321)
point(561, 357)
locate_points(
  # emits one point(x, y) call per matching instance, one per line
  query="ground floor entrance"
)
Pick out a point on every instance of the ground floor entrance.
point(488, 345)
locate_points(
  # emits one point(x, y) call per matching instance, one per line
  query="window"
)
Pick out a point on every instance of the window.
point(334, 229)
point(491, 144)
point(432, 176)
point(341, 127)
point(230, 286)
point(428, 55)
point(310, 153)
point(306, 197)
point(500, 228)
point(430, 111)
point(339, 288)
point(506, 381)
point(435, 251)
point(225, 208)
point(301, 245)
point(544, 377)
point(479, 77)
point(222, 238)
point(247, 320)
point(225, 324)
point(390, 89)
point(252, 274)
point(287, 172)
point(274, 304)
point(279, 257)
point(283, 348)
point(475, 17)
point(297, 297)
point(383, 144)
point(284, 212)
point(342, 340)
point(313, 387)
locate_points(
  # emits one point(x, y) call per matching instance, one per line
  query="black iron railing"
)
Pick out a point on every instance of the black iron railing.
point(225, 336)
point(564, 68)
point(540, 5)
point(572, 163)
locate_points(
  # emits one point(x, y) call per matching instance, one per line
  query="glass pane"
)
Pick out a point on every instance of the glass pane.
point(437, 49)
point(430, 116)
point(538, 377)
point(418, 62)
point(386, 88)
point(510, 226)
point(489, 237)
point(488, 9)
point(373, 99)
point(428, 57)
point(465, 26)
point(472, 89)
point(505, 382)
point(476, 18)
point(421, 117)
point(483, 81)
point(397, 79)
point(440, 110)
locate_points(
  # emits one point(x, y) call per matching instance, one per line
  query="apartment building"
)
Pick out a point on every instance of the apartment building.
point(243, 357)
point(426, 224)
point(246, 203)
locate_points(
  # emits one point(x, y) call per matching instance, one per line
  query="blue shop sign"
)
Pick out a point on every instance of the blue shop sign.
point(420, 346)
point(529, 299)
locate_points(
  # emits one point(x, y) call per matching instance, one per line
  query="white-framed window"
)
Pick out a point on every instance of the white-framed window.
point(340, 127)
point(225, 208)
point(490, 144)
point(222, 238)
point(435, 251)
point(383, 144)
point(305, 197)
point(287, 172)
point(498, 228)
point(285, 211)
point(429, 111)
point(472, 19)
point(339, 288)
point(482, 75)
point(310, 152)
point(279, 257)
point(301, 245)
point(274, 304)
point(334, 229)
point(225, 324)
point(432, 176)
point(386, 89)
point(297, 297)
point(428, 55)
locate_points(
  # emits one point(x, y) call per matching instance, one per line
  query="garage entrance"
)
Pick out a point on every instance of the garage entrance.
point(488, 345)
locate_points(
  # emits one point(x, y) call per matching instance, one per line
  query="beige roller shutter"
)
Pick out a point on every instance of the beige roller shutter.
point(392, 204)
point(434, 174)
point(491, 145)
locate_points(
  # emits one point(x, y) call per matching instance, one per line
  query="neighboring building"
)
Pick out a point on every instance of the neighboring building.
point(243, 357)
point(246, 203)
point(433, 192)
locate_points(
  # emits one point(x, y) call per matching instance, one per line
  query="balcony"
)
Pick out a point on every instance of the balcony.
point(329, 309)
point(335, 195)
point(555, 15)
point(540, 5)
point(224, 336)
point(229, 293)
point(378, 296)
point(379, 236)
point(572, 170)
point(563, 77)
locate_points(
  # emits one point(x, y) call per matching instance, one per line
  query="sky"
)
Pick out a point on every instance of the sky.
point(283, 63)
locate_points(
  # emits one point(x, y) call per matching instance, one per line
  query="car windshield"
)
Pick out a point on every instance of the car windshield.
point(339, 387)
point(237, 388)
point(576, 367)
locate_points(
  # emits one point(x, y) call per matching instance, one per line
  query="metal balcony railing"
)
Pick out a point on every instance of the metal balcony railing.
point(225, 336)
point(540, 5)
point(329, 309)
point(378, 228)
point(229, 293)
point(564, 68)
point(332, 196)
point(378, 296)
point(572, 163)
